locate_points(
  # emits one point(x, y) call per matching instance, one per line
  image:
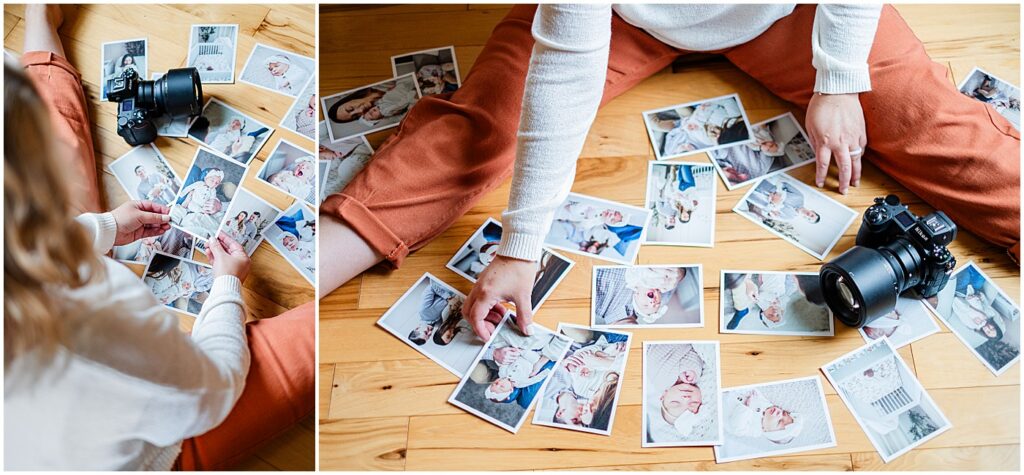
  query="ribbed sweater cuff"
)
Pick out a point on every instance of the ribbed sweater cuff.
point(106, 231)
point(842, 82)
point(521, 246)
point(227, 285)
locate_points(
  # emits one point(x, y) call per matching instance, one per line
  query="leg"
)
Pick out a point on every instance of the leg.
point(451, 149)
point(955, 153)
point(278, 392)
point(60, 86)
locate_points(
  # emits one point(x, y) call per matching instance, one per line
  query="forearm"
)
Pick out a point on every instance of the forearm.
point(841, 41)
point(219, 334)
point(102, 228)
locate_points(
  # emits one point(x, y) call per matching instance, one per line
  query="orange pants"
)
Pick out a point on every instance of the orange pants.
point(279, 389)
point(955, 153)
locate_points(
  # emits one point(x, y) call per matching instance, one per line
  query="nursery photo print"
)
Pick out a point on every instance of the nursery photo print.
point(179, 283)
point(773, 303)
point(779, 144)
point(229, 132)
point(347, 157)
point(277, 70)
point(145, 175)
point(695, 127)
point(1001, 95)
point(886, 399)
point(301, 117)
point(584, 389)
point(294, 236)
point(797, 213)
point(507, 376)
point(682, 400)
point(212, 50)
point(246, 219)
point(663, 296)
point(770, 419)
point(210, 185)
point(379, 106)
point(437, 70)
point(174, 242)
point(908, 322)
point(681, 198)
point(292, 170)
point(598, 228)
point(121, 56)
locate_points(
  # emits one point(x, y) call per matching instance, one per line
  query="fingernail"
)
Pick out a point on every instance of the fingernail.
point(165, 218)
point(820, 184)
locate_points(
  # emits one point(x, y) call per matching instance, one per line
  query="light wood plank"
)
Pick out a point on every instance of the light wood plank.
point(364, 444)
point(989, 457)
point(818, 463)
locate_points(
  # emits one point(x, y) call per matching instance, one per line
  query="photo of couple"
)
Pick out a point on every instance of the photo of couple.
point(666, 296)
point(774, 303)
point(682, 399)
point(695, 127)
point(247, 216)
point(779, 144)
point(598, 228)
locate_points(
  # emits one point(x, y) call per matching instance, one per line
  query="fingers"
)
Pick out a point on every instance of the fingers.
point(151, 207)
point(524, 314)
point(209, 252)
point(855, 167)
point(477, 319)
point(215, 248)
point(843, 162)
point(151, 231)
point(230, 245)
point(821, 170)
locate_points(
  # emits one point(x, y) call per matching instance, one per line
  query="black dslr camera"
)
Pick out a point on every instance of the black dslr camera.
point(895, 251)
point(179, 93)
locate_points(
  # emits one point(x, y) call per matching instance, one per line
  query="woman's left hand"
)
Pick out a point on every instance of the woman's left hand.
point(835, 124)
point(138, 219)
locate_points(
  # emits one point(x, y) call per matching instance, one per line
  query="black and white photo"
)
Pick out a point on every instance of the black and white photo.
point(681, 198)
point(120, 56)
point(229, 131)
point(598, 228)
point(436, 70)
point(277, 70)
point(212, 50)
point(773, 303)
point(656, 296)
point(292, 170)
point(146, 175)
point(209, 186)
point(699, 126)
point(682, 399)
point(378, 106)
point(779, 144)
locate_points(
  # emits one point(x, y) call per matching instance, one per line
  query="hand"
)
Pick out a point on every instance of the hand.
point(506, 354)
point(835, 124)
point(505, 280)
point(138, 219)
point(227, 256)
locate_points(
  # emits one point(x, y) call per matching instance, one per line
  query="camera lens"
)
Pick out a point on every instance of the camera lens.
point(179, 93)
point(861, 284)
point(847, 295)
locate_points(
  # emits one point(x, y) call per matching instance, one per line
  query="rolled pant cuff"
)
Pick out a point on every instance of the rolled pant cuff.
point(376, 234)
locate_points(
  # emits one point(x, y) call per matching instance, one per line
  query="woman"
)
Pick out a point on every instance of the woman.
point(235, 227)
point(97, 373)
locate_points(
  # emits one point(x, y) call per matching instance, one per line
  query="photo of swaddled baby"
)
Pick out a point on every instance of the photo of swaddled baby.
point(291, 169)
point(682, 402)
point(437, 70)
point(681, 197)
point(278, 70)
point(664, 296)
point(695, 127)
point(774, 303)
point(779, 144)
point(372, 108)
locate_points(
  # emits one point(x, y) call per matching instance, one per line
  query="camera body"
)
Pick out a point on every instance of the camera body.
point(179, 93)
point(895, 251)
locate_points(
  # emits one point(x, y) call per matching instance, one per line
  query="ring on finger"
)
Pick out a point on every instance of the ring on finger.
point(856, 151)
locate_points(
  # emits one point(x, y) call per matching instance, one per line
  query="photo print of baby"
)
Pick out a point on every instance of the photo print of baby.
point(292, 170)
point(247, 218)
point(477, 253)
point(212, 50)
point(797, 213)
point(202, 201)
point(228, 131)
point(437, 70)
point(347, 157)
point(779, 144)
point(145, 175)
point(657, 296)
point(301, 117)
point(584, 389)
point(982, 316)
point(277, 70)
point(773, 303)
point(294, 236)
point(372, 108)
point(681, 197)
point(598, 228)
point(682, 401)
point(119, 56)
point(1001, 95)
point(510, 373)
point(428, 317)
point(699, 126)
point(174, 242)
point(179, 283)
point(167, 126)
point(908, 322)
point(771, 419)
point(886, 399)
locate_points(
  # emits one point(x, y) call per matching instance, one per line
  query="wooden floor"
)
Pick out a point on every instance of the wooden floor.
point(383, 406)
point(273, 286)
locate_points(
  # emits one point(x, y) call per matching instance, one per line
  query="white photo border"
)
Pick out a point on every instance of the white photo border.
point(643, 395)
point(743, 113)
point(721, 307)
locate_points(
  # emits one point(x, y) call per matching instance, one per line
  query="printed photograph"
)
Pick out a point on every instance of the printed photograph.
point(301, 117)
point(908, 322)
point(229, 132)
point(982, 316)
point(202, 202)
point(1001, 95)
point(120, 56)
point(779, 144)
point(212, 51)
point(294, 236)
point(797, 213)
point(666, 296)
point(347, 158)
point(584, 389)
point(248, 216)
point(695, 127)
point(167, 126)
point(504, 380)
point(773, 303)
point(886, 399)
point(144, 174)
point(477, 253)
point(681, 197)
point(428, 317)
point(292, 170)
point(179, 283)
point(378, 106)
point(598, 228)
point(174, 242)
point(682, 399)
point(770, 419)
point(278, 70)
point(437, 70)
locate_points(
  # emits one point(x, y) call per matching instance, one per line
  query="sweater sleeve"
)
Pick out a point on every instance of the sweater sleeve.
point(103, 229)
point(841, 40)
point(564, 86)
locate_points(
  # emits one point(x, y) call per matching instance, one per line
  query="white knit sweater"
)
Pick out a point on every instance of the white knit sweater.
point(130, 385)
point(567, 75)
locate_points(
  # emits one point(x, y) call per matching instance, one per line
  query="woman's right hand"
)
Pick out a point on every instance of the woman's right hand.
point(506, 279)
point(227, 256)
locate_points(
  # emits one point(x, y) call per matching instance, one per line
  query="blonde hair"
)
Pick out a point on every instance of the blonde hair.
point(44, 248)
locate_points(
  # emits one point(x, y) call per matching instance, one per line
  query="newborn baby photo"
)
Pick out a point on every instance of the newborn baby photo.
point(229, 132)
point(682, 402)
point(681, 197)
point(379, 106)
point(1001, 95)
point(779, 144)
point(212, 50)
point(294, 236)
point(301, 117)
point(908, 322)
point(292, 170)
point(346, 157)
point(437, 70)
point(663, 296)
point(179, 283)
point(773, 303)
point(174, 242)
point(598, 228)
point(145, 175)
point(277, 70)
point(695, 127)
point(210, 185)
